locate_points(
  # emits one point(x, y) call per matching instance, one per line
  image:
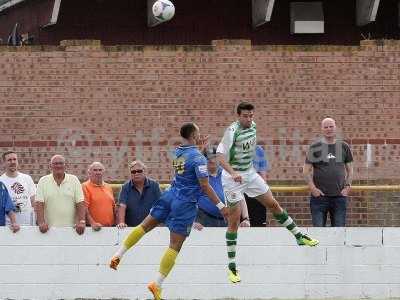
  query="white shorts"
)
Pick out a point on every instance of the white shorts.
point(252, 184)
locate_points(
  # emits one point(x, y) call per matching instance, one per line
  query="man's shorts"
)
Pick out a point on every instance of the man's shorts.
point(252, 184)
point(177, 214)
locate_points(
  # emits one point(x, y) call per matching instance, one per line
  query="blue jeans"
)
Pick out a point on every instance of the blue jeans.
point(324, 205)
point(209, 221)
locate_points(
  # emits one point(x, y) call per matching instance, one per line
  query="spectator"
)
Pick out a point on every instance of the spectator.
point(21, 188)
point(328, 170)
point(208, 215)
point(6, 208)
point(137, 196)
point(60, 201)
point(257, 211)
point(99, 198)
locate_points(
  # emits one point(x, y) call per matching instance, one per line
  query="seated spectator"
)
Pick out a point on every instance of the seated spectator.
point(60, 201)
point(137, 196)
point(99, 198)
point(257, 211)
point(7, 208)
point(21, 188)
point(208, 215)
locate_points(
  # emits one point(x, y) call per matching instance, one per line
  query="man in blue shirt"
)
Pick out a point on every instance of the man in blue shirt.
point(7, 208)
point(208, 215)
point(137, 196)
point(177, 206)
point(260, 162)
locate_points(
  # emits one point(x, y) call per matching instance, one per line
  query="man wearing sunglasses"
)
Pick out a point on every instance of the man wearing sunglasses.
point(137, 196)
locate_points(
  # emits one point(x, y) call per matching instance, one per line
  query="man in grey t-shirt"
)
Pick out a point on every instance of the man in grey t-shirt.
point(328, 171)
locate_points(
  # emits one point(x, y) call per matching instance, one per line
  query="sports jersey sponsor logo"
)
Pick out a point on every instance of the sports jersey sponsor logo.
point(246, 146)
point(203, 169)
point(179, 165)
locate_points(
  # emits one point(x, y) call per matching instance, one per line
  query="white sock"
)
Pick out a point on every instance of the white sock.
point(160, 279)
point(121, 251)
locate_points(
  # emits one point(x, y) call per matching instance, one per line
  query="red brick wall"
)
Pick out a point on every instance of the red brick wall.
point(116, 103)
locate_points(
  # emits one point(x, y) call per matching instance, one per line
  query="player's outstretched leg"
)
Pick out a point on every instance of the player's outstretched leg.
point(166, 264)
point(231, 241)
point(134, 236)
point(284, 219)
point(302, 239)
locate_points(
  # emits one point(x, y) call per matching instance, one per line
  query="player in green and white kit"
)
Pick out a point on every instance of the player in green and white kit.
point(235, 154)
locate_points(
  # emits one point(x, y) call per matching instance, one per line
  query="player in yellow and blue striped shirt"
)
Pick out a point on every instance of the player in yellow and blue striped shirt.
point(177, 206)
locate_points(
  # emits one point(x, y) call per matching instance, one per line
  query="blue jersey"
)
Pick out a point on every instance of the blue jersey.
point(205, 203)
point(260, 162)
point(6, 204)
point(189, 165)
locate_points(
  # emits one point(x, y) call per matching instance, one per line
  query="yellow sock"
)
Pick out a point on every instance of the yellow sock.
point(168, 261)
point(133, 237)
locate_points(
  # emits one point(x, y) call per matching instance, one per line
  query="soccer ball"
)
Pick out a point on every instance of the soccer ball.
point(163, 10)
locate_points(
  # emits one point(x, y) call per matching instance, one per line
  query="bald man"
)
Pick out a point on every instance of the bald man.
point(328, 171)
point(99, 198)
point(59, 199)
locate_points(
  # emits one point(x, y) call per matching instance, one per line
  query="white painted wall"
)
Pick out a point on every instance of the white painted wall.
point(350, 263)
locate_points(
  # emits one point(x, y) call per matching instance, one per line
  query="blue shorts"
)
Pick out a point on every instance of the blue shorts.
point(177, 214)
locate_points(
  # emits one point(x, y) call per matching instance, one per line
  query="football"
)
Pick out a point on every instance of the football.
point(163, 10)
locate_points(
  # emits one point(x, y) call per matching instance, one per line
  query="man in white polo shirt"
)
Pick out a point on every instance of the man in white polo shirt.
point(59, 200)
point(21, 188)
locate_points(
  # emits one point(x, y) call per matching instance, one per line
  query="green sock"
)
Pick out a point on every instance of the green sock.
point(284, 219)
point(231, 238)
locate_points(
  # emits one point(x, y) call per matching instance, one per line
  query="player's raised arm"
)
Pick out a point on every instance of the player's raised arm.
point(227, 167)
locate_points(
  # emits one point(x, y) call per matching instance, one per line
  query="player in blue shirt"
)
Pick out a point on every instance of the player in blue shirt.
point(177, 206)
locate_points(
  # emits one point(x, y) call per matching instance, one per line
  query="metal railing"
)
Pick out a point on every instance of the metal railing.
point(303, 188)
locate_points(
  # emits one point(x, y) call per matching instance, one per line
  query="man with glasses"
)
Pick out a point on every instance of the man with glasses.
point(59, 199)
point(137, 196)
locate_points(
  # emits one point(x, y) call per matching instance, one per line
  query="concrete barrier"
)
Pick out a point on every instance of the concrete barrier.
point(350, 263)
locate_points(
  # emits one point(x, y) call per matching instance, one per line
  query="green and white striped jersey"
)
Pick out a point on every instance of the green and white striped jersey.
point(239, 145)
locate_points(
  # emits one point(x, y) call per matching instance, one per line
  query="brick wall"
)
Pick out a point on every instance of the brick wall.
point(91, 102)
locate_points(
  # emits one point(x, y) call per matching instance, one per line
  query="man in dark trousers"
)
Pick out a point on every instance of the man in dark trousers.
point(328, 171)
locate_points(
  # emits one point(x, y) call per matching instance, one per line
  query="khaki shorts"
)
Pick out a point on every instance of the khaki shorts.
point(252, 184)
